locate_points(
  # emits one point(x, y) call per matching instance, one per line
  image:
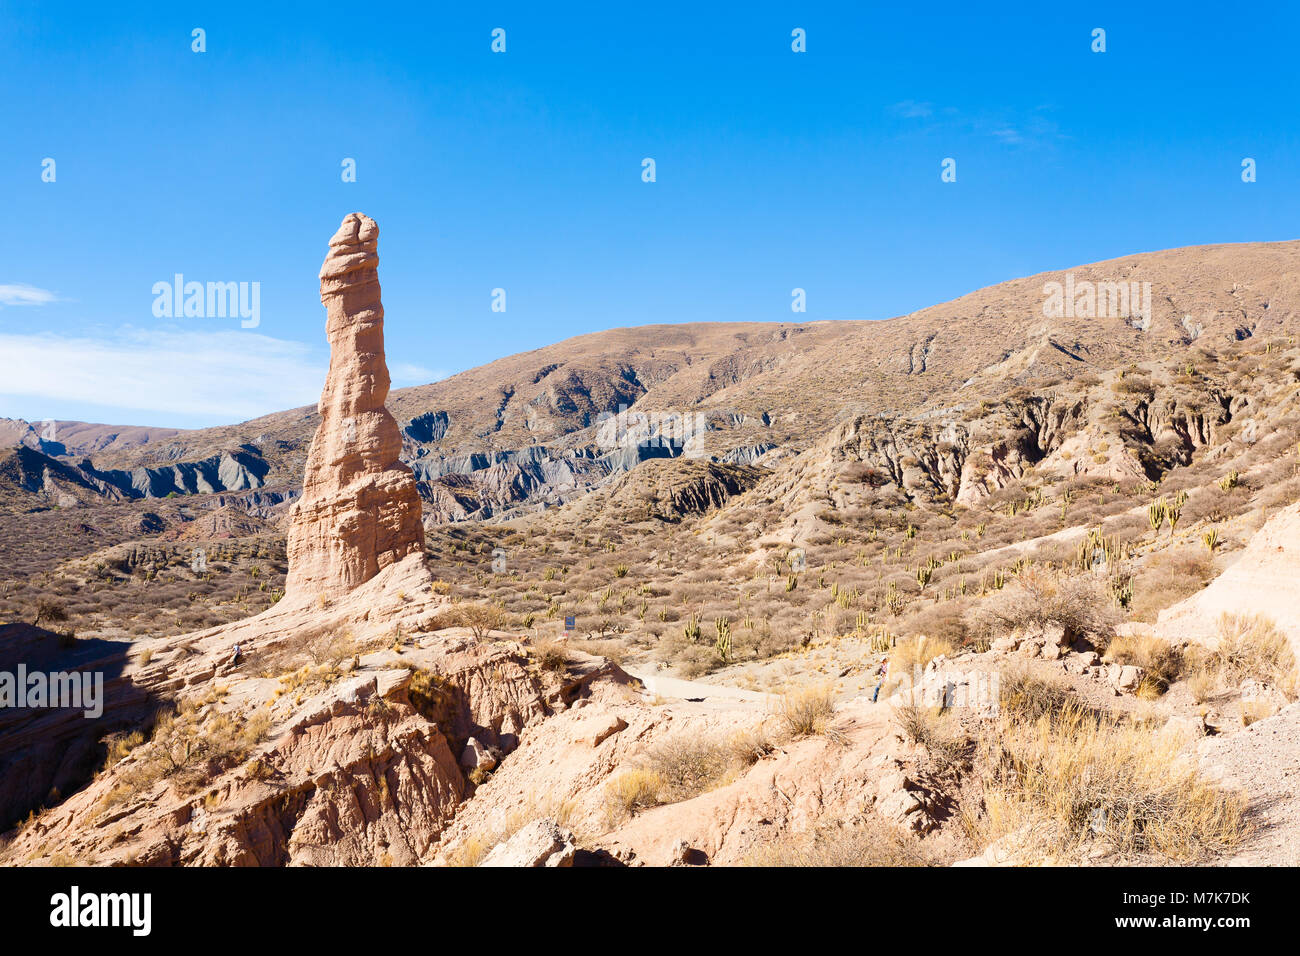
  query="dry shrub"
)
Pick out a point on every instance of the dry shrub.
point(752, 744)
point(946, 623)
point(806, 710)
point(469, 852)
point(859, 845)
point(630, 791)
point(550, 655)
point(1203, 684)
point(1083, 779)
point(1251, 646)
point(435, 698)
point(1256, 709)
point(190, 746)
point(331, 650)
point(1168, 578)
point(1079, 603)
point(930, 728)
point(1161, 661)
point(481, 619)
point(1027, 697)
point(910, 656)
point(121, 744)
point(613, 649)
point(687, 765)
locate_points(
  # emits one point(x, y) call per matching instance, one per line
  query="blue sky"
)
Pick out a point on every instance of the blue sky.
point(522, 171)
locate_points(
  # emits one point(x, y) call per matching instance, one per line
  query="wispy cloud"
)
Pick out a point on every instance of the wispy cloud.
point(911, 109)
point(404, 374)
point(20, 294)
point(1029, 128)
point(223, 376)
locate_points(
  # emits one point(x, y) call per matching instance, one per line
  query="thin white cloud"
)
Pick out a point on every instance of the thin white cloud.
point(19, 294)
point(1033, 128)
point(404, 373)
point(223, 376)
point(911, 109)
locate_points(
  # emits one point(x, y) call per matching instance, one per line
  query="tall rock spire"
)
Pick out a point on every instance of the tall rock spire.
point(359, 511)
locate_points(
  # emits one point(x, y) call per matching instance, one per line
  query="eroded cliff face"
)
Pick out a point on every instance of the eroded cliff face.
point(1123, 427)
point(359, 512)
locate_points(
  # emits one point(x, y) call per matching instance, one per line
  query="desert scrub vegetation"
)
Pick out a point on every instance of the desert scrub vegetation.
point(1026, 697)
point(189, 746)
point(629, 791)
point(683, 766)
point(550, 655)
point(147, 588)
point(849, 844)
point(1161, 662)
point(1060, 786)
point(936, 732)
point(687, 765)
point(806, 711)
point(1169, 577)
point(481, 619)
point(909, 657)
point(328, 655)
point(1251, 647)
point(1078, 602)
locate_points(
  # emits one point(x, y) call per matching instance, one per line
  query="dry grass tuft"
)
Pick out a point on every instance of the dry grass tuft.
point(550, 655)
point(909, 657)
point(1027, 697)
point(805, 711)
point(1161, 661)
point(936, 732)
point(1251, 647)
point(841, 846)
point(630, 791)
point(1081, 780)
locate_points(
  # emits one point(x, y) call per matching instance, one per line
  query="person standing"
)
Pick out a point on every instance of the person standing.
point(883, 672)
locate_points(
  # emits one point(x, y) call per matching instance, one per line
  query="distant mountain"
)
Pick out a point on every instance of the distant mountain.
point(543, 426)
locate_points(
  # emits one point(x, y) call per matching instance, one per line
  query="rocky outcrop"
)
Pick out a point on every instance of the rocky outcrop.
point(669, 489)
point(359, 512)
point(541, 843)
point(26, 469)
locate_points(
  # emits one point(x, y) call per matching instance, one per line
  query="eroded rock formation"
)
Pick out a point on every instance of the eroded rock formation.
point(359, 512)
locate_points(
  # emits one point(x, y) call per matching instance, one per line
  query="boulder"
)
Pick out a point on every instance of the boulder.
point(541, 843)
point(477, 757)
point(594, 731)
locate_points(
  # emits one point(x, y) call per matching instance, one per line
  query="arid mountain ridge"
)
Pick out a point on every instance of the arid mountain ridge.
point(533, 427)
point(683, 664)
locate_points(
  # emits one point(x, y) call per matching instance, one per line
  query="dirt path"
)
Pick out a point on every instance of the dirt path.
point(697, 691)
point(1264, 761)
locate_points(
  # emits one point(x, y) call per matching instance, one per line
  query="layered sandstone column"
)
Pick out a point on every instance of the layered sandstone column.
point(359, 511)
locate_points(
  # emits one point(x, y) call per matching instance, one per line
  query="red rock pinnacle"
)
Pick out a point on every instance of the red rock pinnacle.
point(359, 511)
